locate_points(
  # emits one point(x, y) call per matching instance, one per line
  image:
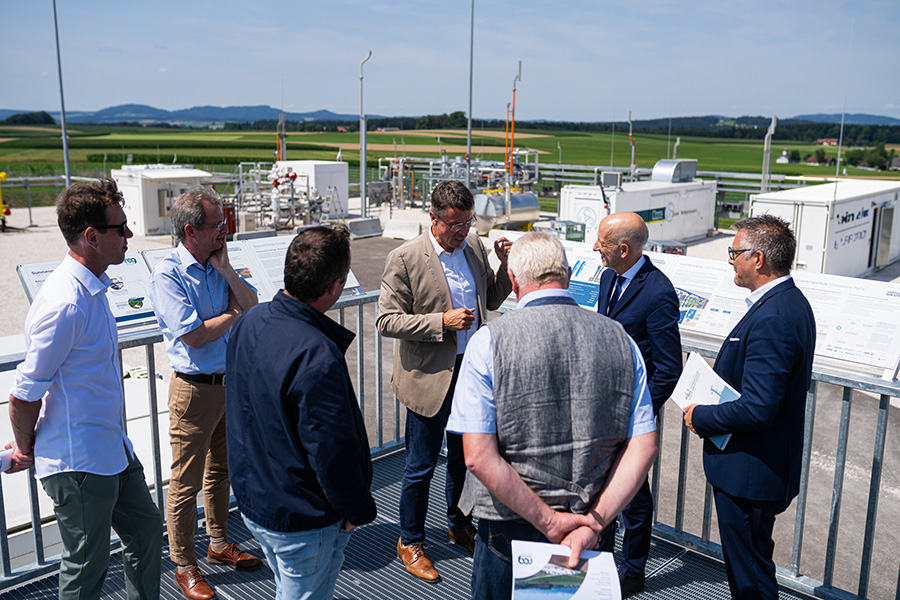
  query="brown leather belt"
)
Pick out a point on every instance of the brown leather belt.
point(211, 379)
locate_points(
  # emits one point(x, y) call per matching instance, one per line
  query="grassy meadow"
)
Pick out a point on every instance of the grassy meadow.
point(34, 151)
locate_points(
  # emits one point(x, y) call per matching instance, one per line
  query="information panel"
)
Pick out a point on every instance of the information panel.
point(857, 320)
point(260, 262)
point(127, 295)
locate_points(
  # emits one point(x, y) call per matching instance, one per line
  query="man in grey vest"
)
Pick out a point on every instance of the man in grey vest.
point(556, 417)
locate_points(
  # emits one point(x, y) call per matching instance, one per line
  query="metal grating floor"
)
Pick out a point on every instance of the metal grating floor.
point(372, 571)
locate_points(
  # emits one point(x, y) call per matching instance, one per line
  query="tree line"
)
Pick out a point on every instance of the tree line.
point(751, 128)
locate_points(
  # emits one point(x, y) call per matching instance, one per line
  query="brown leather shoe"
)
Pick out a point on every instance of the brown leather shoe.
point(234, 556)
point(413, 556)
point(192, 585)
point(464, 536)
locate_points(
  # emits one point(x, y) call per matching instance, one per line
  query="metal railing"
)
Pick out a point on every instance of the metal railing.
point(368, 340)
point(369, 346)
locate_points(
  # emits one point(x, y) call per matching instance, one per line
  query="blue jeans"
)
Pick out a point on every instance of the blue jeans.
point(306, 564)
point(424, 436)
point(492, 564)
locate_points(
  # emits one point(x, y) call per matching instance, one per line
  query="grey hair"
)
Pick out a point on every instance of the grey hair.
point(188, 209)
point(538, 258)
point(773, 237)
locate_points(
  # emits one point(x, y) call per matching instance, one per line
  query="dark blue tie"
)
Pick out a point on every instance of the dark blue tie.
point(617, 291)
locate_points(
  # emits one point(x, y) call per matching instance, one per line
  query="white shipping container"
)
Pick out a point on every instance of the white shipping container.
point(848, 228)
point(150, 191)
point(678, 212)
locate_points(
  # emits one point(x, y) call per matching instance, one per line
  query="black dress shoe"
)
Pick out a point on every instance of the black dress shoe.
point(631, 585)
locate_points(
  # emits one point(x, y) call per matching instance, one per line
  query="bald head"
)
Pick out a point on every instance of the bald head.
point(621, 238)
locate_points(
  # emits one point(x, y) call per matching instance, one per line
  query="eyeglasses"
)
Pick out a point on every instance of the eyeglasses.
point(732, 253)
point(220, 226)
point(457, 227)
point(120, 228)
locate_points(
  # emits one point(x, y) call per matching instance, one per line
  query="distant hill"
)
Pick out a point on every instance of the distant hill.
point(142, 113)
point(851, 119)
point(204, 115)
point(34, 118)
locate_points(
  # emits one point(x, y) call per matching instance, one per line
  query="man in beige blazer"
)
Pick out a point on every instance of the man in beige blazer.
point(435, 293)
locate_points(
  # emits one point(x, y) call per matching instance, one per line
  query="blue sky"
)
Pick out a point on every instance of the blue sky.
point(581, 60)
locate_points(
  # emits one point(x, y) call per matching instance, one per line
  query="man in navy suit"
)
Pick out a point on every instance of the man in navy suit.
point(768, 358)
point(640, 297)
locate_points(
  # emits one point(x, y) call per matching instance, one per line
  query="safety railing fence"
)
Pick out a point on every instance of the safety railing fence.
point(684, 513)
point(364, 358)
point(822, 567)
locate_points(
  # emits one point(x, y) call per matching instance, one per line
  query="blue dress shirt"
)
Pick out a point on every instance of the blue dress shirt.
point(184, 295)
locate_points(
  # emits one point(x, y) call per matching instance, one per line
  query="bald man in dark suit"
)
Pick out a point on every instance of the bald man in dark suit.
point(640, 297)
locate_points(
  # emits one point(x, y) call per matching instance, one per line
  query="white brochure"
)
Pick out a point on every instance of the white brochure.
point(699, 384)
point(540, 571)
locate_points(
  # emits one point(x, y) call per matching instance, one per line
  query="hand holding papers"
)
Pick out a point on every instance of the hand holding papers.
point(699, 384)
point(540, 571)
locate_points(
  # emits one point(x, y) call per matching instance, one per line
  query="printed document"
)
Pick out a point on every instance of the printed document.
point(541, 572)
point(699, 384)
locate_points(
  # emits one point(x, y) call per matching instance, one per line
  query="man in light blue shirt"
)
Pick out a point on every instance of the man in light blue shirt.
point(197, 296)
point(556, 419)
point(66, 406)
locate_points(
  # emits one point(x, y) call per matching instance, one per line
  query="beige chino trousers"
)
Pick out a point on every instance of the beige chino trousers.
point(199, 461)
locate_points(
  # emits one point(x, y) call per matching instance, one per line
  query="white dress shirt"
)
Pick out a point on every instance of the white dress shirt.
point(461, 282)
point(72, 364)
point(759, 292)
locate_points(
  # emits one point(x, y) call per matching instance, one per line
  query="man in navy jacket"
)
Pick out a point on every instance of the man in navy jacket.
point(297, 444)
point(640, 297)
point(768, 358)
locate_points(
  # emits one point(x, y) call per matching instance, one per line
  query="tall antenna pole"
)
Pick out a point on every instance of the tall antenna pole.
point(362, 142)
point(765, 184)
point(631, 169)
point(62, 103)
point(471, 67)
point(837, 168)
point(512, 130)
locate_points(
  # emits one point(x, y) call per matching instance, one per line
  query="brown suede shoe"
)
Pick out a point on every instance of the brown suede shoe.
point(464, 536)
point(413, 556)
point(192, 585)
point(234, 556)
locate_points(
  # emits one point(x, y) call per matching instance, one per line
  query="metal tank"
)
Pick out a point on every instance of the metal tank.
point(490, 210)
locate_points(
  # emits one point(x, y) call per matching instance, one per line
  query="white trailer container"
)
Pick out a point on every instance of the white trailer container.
point(326, 179)
point(675, 205)
point(848, 228)
point(150, 191)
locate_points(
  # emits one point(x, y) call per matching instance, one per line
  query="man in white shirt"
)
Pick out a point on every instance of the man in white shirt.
point(435, 292)
point(66, 406)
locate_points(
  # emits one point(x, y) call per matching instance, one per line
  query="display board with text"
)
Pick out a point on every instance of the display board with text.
point(260, 262)
point(857, 320)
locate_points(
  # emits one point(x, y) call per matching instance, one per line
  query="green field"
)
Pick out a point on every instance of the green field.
point(33, 151)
